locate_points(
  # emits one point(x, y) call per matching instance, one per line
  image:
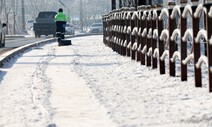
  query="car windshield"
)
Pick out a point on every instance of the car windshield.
point(97, 24)
point(47, 14)
point(30, 21)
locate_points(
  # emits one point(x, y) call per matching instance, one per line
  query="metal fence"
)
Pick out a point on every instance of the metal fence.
point(152, 34)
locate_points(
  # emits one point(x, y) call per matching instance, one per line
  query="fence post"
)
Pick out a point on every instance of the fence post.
point(110, 30)
point(104, 28)
point(196, 49)
point(160, 44)
point(117, 32)
point(172, 44)
point(128, 32)
point(121, 31)
point(209, 43)
point(149, 37)
point(143, 36)
point(183, 47)
point(124, 33)
point(154, 40)
point(133, 22)
point(138, 35)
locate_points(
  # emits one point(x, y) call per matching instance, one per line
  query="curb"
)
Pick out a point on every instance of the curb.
point(8, 55)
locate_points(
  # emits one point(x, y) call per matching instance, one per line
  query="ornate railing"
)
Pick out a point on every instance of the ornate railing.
point(152, 34)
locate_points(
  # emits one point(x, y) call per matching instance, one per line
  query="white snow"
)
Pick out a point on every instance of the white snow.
point(149, 16)
point(188, 32)
point(202, 59)
point(125, 43)
point(144, 32)
point(175, 33)
point(135, 15)
point(155, 15)
point(149, 53)
point(198, 11)
point(155, 33)
point(201, 33)
point(164, 55)
point(187, 10)
point(176, 10)
point(135, 31)
point(175, 55)
point(188, 58)
point(88, 85)
point(210, 12)
point(164, 35)
point(139, 48)
point(156, 53)
point(144, 15)
point(129, 29)
point(144, 50)
point(135, 46)
point(210, 41)
point(149, 35)
point(128, 15)
point(129, 46)
point(164, 11)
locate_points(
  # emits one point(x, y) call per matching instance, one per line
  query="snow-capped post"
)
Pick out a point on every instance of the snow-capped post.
point(103, 21)
point(176, 14)
point(209, 46)
point(113, 30)
point(116, 44)
point(117, 32)
point(124, 32)
point(172, 45)
point(196, 47)
point(123, 37)
point(138, 52)
point(105, 29)
point(121, 23)
point(161, 46)
point(133, 33)
point(109, 30)
point(154, 38)
point(183, 45)
point(149, 36)
point(143, 33)
point(128, 31)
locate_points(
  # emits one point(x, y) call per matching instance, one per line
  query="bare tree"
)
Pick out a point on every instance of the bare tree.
point(2, 4)
point(35, 6)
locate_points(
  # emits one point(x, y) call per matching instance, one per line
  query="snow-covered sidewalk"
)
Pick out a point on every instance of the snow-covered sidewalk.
point(89, 85)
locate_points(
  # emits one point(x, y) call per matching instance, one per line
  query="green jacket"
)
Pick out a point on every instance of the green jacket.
point(60, 16)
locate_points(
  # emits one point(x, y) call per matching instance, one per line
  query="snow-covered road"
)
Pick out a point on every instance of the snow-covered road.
point(89, 85)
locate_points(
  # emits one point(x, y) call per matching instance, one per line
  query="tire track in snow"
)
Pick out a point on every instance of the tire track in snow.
point(40, 86)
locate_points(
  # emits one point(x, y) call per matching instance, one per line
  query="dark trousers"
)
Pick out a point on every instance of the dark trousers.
point(60, 26)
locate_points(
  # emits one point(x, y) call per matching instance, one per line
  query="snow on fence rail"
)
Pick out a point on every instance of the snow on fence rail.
point(151, 34)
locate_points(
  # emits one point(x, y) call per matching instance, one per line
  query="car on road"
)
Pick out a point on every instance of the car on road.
point(44, 24)
point(69, 29)
point(29, 24)
point(96, 28)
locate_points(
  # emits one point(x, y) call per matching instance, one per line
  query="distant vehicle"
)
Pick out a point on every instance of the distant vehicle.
point(96, 28)
point(69, 29)
point(2, 34)
point(29, 24)
point(45, 24)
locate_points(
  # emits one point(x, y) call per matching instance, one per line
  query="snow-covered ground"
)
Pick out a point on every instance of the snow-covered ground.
point(89, 85)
